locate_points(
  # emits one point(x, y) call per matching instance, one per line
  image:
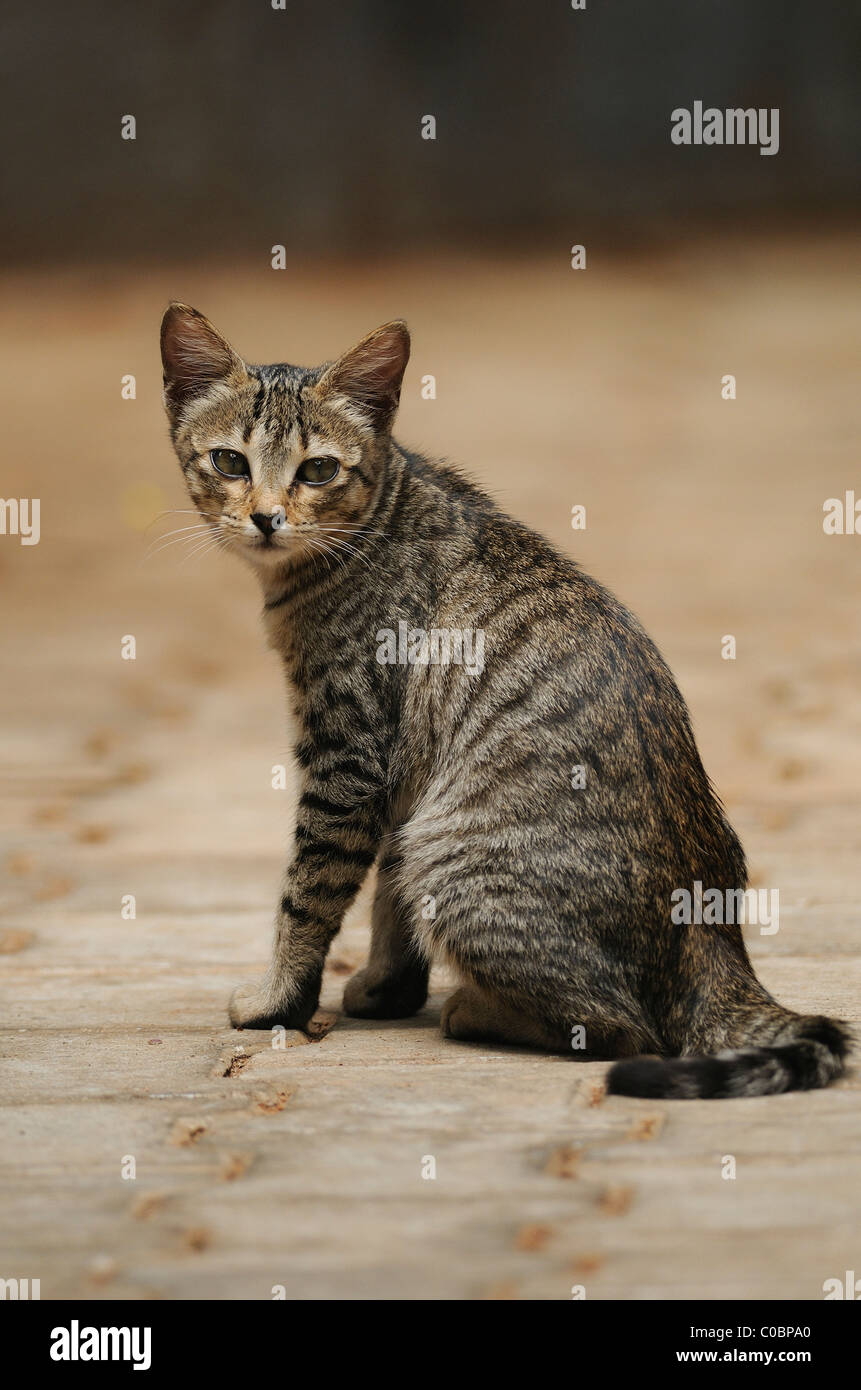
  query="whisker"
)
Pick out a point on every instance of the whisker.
point(322, 549)
point(173, 511)
point(173, 538)
point(194, 534)
point(354, 533)
point(194, 527)
point(348, 549)
point(216, 537)
point(333, 533)
point(350, 530)
point(330, 547)
point(203, 547)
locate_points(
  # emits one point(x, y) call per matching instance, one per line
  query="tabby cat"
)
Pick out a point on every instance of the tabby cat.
point(447, 669)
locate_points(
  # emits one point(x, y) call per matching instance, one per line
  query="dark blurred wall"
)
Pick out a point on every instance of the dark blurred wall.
point(302, 126)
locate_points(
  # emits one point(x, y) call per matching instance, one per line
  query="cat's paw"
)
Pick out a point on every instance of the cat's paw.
point(253, 1006)
point(460, 1017)
point(399, 996)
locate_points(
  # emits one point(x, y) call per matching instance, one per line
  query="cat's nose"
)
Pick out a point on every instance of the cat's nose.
point(264, 523)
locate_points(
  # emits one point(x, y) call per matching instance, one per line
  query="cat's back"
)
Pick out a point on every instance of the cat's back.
point(565, 707)
point(527, 595)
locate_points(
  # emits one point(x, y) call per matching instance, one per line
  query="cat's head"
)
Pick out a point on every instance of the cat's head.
point(280, 459)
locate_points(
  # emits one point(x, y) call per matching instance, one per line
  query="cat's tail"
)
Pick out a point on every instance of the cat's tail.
point(802, 1052)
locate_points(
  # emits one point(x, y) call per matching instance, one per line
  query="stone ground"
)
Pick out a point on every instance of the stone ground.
point(303, 1167)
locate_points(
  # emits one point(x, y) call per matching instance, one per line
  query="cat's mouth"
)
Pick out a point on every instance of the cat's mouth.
point(264, 549)
point(281, 546)
point(265, 544)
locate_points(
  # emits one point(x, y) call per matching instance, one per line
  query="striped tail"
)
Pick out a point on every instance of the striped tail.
point(809, 1052)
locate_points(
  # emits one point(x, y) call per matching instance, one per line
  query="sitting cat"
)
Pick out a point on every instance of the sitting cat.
point(549, 893)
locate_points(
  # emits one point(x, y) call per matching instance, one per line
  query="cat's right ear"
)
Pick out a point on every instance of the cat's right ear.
point(194, 356)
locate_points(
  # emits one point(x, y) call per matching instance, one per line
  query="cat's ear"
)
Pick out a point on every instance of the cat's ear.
point(370, 374)
point(194, 355)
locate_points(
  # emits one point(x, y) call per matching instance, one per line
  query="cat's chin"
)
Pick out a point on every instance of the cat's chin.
point(269, 557)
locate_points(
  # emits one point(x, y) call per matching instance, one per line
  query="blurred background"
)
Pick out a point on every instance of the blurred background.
point(555, 387)
point(302, 125)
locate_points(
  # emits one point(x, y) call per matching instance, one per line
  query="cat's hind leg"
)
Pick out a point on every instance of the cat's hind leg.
point(473, 1015)
point(394, 983)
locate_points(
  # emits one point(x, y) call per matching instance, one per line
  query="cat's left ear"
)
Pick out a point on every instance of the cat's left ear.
point(370, 374)
point(194, 355)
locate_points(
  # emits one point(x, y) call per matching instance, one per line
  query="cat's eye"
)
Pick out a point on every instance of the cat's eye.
point(318, 471)
point(229, 463)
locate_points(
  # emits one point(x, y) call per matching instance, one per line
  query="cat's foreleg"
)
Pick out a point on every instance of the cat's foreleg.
point(394, 983)
point(335, 847)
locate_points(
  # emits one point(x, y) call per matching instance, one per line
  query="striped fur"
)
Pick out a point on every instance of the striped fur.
point(553, 903)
